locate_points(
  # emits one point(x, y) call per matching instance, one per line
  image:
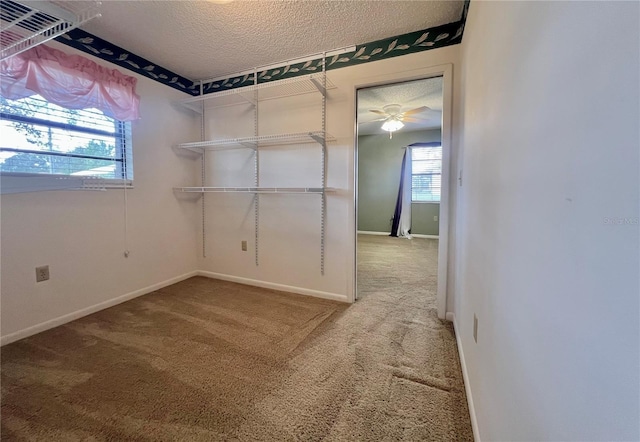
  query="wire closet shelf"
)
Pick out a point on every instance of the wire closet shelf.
point(26, 24)
point(259, 190)
point(289, 87)
point(315, 84)
point(258, 141)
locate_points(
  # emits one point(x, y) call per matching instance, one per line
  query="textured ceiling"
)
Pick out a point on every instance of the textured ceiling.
point(408, 95)
point(204, 40)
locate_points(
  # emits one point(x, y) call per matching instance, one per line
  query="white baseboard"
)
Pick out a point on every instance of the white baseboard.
point(15, 336)
point(29, 331)
point(274, 286)
point(417, 235)
point(450, 317)
point(465, 375)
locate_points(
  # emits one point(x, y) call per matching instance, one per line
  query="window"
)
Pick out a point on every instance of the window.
point(38, 137)
point(426, 171)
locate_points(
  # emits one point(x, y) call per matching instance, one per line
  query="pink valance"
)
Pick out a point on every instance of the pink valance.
point(70, 81)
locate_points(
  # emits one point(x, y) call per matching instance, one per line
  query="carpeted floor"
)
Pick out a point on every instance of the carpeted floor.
point(211, 360)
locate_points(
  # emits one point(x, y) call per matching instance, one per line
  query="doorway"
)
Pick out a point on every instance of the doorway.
point(402, 163)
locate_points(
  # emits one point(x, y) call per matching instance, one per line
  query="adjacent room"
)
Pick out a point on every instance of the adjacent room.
point(319, 220)
point(398, 193)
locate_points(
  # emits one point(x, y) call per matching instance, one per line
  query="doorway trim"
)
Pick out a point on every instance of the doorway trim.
point(446, 72)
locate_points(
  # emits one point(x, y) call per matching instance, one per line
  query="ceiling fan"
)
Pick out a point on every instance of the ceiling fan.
point(394, 120)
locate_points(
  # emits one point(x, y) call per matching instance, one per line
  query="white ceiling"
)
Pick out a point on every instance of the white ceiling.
point(203, 40)
point(408, 95)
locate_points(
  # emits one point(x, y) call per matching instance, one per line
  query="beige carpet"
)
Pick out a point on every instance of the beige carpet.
point(210, 360)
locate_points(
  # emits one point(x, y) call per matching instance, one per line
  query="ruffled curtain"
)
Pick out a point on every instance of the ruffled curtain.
point(70, 81)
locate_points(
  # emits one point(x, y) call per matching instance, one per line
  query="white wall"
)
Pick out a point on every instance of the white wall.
point(551, 151)
point(82, 239)
point(80, 235)
point(289, 236)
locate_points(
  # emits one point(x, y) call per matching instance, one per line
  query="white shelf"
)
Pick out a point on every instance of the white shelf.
point(257, 142)
point(27, 24)
point(254, 190)
point(289, 87)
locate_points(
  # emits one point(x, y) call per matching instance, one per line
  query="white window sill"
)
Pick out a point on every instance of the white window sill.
point(29, 182)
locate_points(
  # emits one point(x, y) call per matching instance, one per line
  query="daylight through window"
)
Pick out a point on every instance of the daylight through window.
point(42, 138)
point(426, 172)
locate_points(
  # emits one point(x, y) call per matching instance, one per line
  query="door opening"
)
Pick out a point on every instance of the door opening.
point(402, 163)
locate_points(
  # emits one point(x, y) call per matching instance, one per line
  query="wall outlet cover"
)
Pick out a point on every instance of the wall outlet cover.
point(42, 273)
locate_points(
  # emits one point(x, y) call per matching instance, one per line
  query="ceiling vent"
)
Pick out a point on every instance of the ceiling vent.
point(27, 24)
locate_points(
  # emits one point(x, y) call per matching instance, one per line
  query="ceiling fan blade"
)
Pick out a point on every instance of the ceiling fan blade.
point(372, 121)
point(376, 111)
point(413, 120)
point(417, 110)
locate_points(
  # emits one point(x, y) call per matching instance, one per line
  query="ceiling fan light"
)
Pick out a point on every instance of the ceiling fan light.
point(392, 125)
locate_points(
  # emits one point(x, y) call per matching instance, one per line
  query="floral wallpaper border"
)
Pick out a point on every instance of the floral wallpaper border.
point(436, 37)
point(432, 38)
point(89, 43)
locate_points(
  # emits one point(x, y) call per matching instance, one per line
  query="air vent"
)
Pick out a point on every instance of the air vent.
point(27, 24)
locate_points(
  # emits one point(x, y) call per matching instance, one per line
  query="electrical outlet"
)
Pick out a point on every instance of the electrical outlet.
point(244, 246)
point(475, 328)
point(435, 217)
point(42, 273)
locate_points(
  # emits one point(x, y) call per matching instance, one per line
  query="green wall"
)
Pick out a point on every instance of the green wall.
point(379, 162)
point(422, 218)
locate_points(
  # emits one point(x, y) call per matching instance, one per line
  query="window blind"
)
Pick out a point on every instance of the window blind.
point(39, 137)
point(426, 173)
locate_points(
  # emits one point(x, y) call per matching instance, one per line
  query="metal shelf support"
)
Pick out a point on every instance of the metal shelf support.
point(256, 178)
point(323, 143)
point(322, 88)
point(203, 176)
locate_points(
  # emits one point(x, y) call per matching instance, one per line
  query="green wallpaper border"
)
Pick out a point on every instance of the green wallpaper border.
point(89, 43)
point(432, 38)
point(418, 41)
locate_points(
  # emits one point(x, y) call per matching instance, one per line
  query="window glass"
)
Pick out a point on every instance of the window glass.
point(42, 138)
point(426, 172)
